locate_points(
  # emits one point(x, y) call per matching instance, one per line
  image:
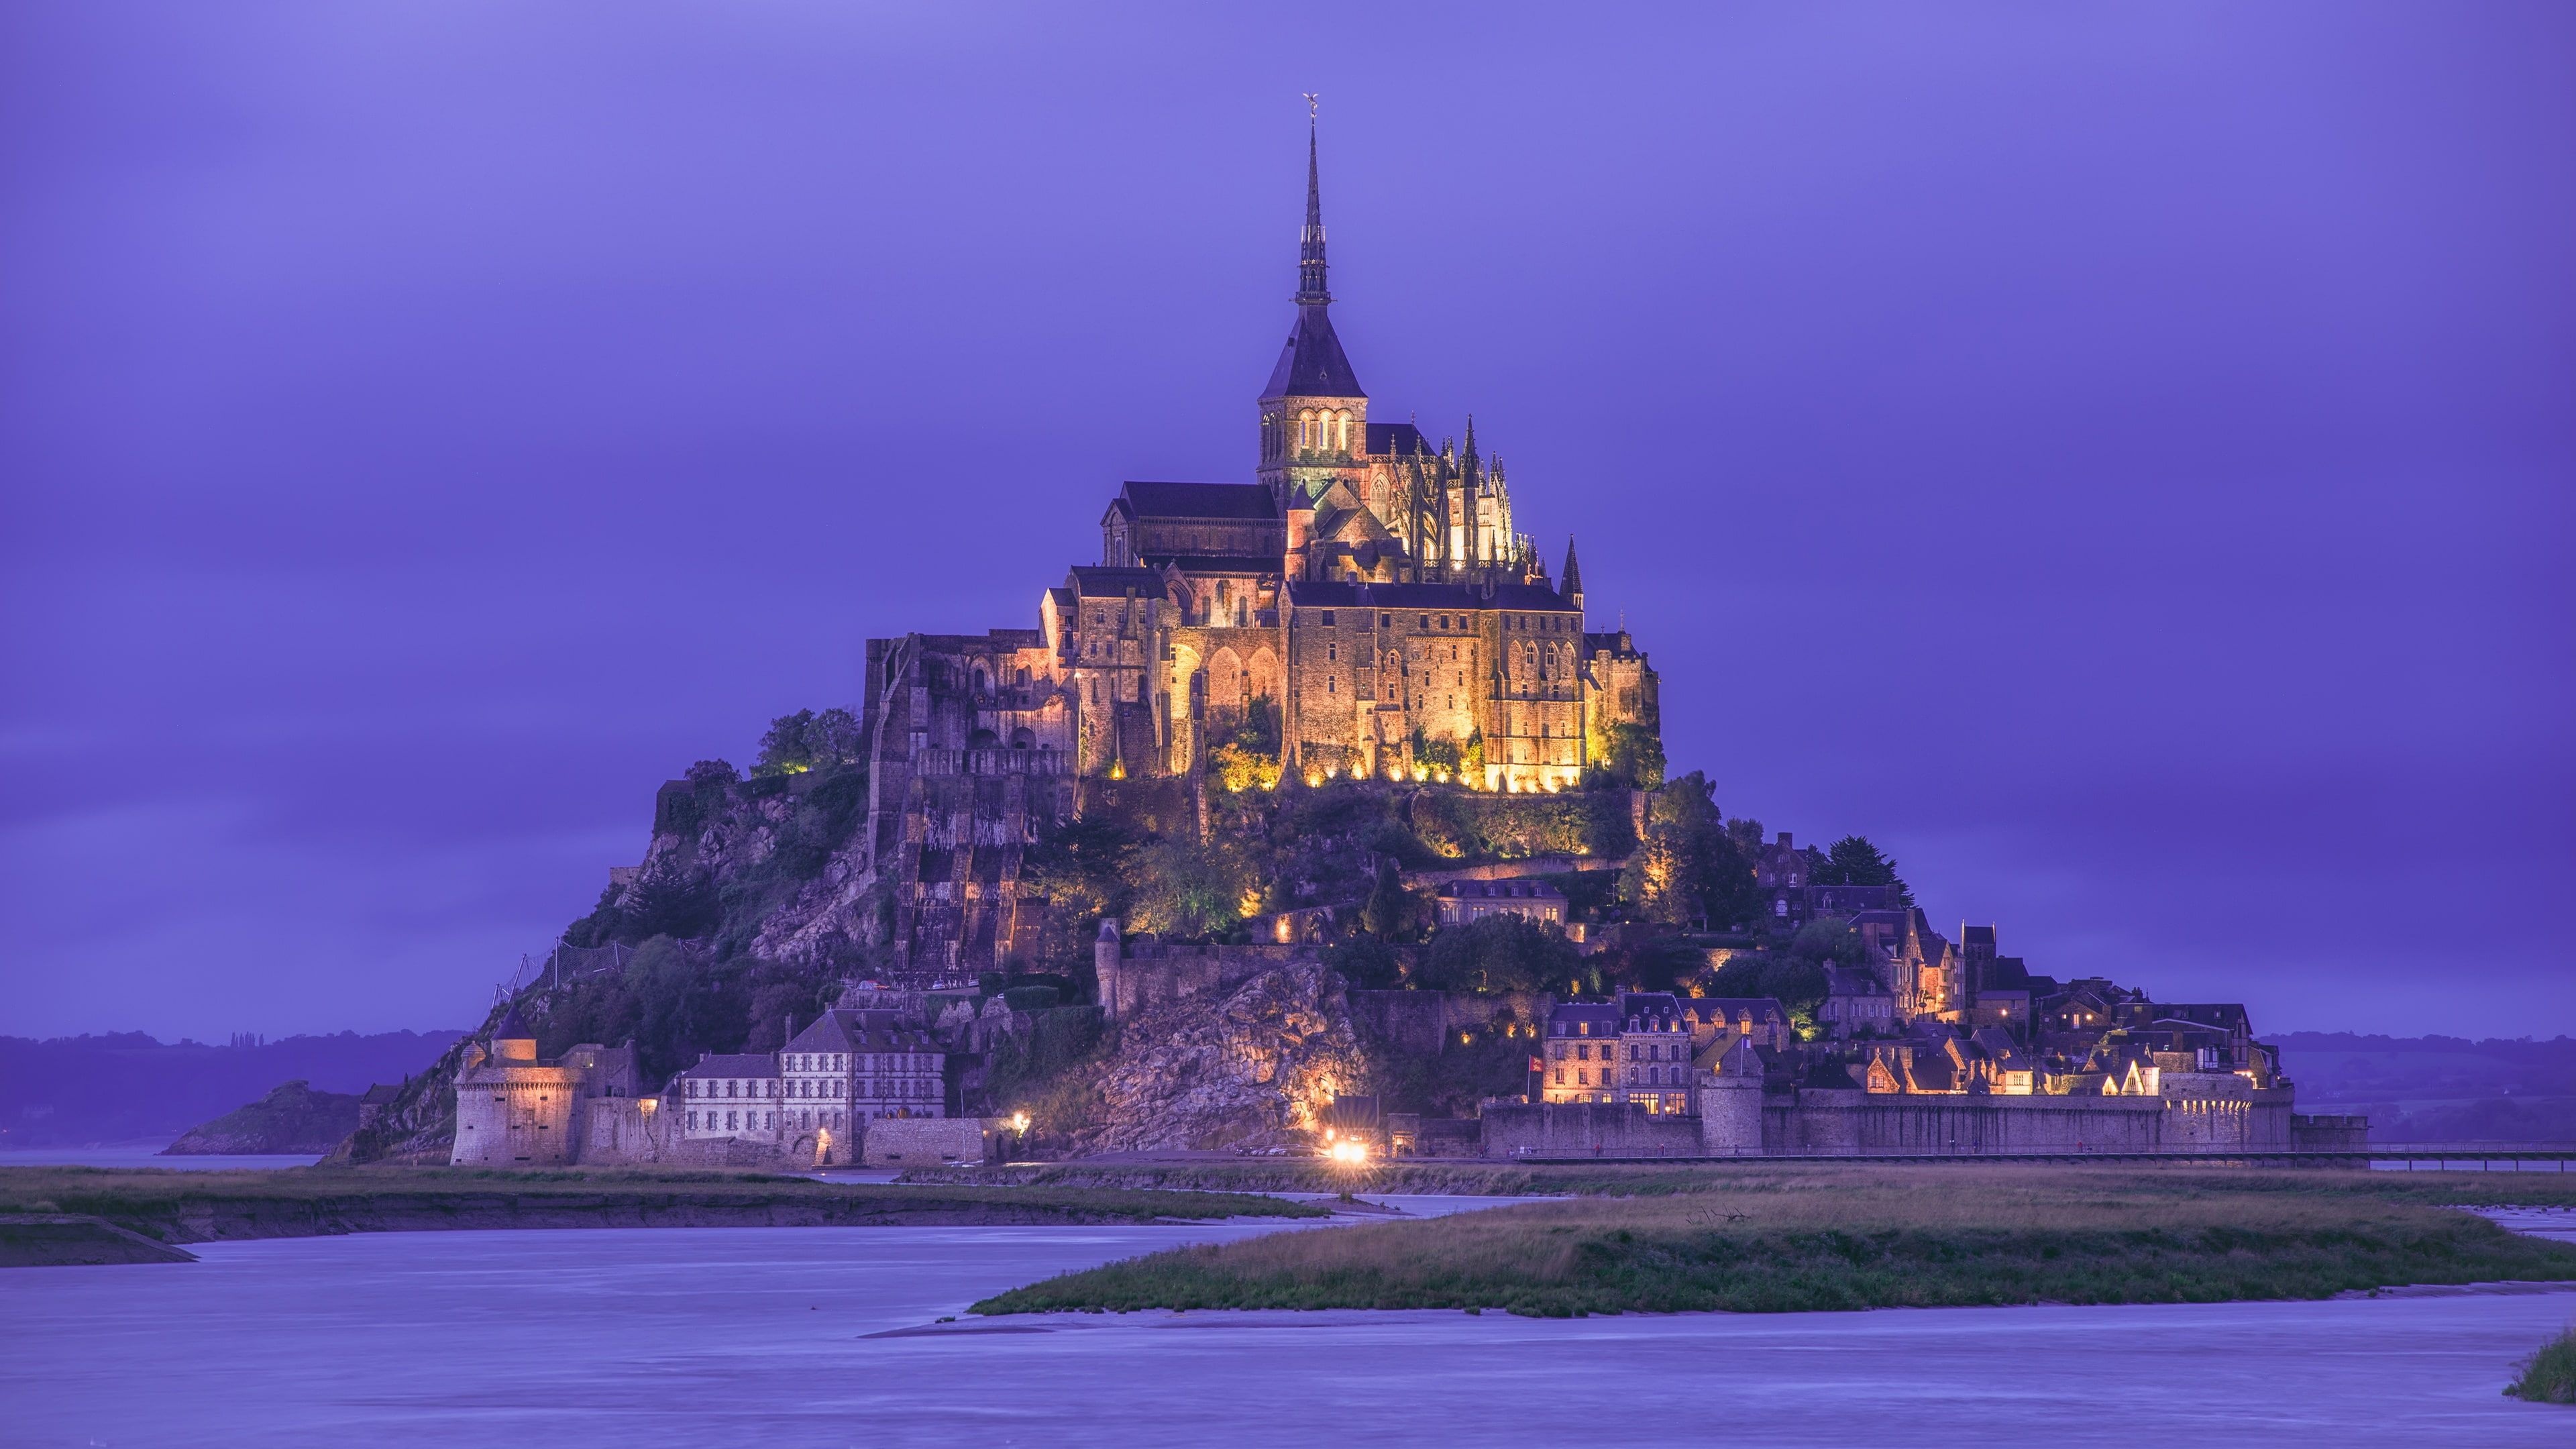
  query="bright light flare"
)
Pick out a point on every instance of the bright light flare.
point(1350, 1153)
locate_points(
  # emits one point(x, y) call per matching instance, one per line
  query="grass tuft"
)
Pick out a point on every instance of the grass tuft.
point(2549, 1375)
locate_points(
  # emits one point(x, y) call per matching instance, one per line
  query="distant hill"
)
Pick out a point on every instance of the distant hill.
point(2439, 1088)
point(129, 1087)
point(294, 1118)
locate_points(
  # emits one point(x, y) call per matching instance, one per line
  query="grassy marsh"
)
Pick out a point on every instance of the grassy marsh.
point(1810, 1236)
point(186, 1207)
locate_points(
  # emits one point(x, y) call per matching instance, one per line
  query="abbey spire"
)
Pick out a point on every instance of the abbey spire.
point(1310, 243)
point(1314, 417)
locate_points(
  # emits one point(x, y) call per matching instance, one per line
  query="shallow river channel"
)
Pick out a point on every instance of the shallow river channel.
point(828, 1336)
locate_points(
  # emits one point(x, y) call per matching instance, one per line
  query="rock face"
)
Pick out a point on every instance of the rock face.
point(293, 1118)
point(1201, 1074)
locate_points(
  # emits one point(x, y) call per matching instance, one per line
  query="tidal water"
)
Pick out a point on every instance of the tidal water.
point(827, 1337)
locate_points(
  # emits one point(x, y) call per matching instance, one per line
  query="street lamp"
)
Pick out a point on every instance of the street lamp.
point(1349, 1156)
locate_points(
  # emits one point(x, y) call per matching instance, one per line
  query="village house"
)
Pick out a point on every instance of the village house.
point(1463, 902)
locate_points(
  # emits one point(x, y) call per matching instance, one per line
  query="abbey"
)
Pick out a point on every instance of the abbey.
point(1366, 595)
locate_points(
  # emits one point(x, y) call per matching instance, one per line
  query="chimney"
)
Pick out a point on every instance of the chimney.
point(1784, 840)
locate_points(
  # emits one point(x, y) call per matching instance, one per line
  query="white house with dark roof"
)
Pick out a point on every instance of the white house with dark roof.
point(1466, 901)
point(853, 1066)
point(733, 1095)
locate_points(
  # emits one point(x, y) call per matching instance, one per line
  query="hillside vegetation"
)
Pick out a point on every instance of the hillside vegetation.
point(747, 913)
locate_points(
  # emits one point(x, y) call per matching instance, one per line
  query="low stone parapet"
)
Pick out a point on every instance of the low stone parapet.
point(929, 1141)
point(1571, 1129)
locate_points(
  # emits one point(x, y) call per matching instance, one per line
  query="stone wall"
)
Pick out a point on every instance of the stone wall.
point(1510, 869)
point(1416, 1023)
point(1148, 973)
point(1623, 1129)
point(2330, 1134)
point(623, 1130)
point(1826, 1121)
point(928, 1141)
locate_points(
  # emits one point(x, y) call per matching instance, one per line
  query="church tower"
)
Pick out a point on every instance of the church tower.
point(1314, 418)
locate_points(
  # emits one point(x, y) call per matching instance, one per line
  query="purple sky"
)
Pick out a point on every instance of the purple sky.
point(2118, 457)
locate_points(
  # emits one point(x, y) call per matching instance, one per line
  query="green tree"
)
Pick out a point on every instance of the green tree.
point(1797, 983)
point(1500, 953)
point(1636, 756)
point(807, 740)
point(1853, 860)
point(1187, 889)
point(1082, 868)
point(673, 1016)
point(1389, 909)
point(1654, 963)
point(1367, 963)
point(1688, 867)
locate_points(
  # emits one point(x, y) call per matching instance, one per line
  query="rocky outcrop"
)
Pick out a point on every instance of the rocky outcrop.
point(1257, 1066)
point(293, 1118)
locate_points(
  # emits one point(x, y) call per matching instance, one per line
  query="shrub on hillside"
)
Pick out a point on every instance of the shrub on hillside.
point(1500, 953)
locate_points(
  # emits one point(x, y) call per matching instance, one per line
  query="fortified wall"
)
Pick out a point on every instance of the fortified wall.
point(1738, 1118)
point(1143, 972)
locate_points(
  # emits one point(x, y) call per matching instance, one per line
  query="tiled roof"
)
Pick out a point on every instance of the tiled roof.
point(1603, 1016)
point(1764, 1008)
point(1396, 440)
point(1533, 598)
point(1096, 581)
point(1200, 500)
point(1312, 363)
point(1501, 890)
point(738, 1064)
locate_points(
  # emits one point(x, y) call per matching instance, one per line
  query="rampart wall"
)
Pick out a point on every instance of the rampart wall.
point(1153, 974)
point(1741, 1119)
point(1586, 1129)
point(928, 1141)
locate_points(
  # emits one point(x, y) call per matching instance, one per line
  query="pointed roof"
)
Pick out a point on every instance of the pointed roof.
point(1312, 364)
point(513, 1027)
point(1572, 584)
